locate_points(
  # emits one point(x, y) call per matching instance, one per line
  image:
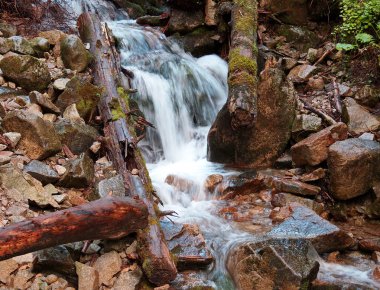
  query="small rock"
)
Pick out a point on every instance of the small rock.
point(71, 114)
point(14, 137)
point(212, 181)
point(353, 167)
point(21, 278)
point(53, 36)
point(316, 83)
point(50, 117)
point(21, 45)
point(312, 55)
point(108, 265)
point(80, 172)
point(6, 268)
point(367, 136)
point(5, 45)
point(370, 244)
point(376, 273)
point(60, 198)
point(44, 101)
point(128, 280)
point(38, 137)
point(8, 29)
point(376, 257)
point(88, 277)
point(35, 109)
point(60, 84)
point(368, 96)
point(301, 73)
point(56, 259)
point(41, 172)
point(40, 45)
point(60, 284)
point(61, 170)
point(285, 199)
point(113, 186)
point(314, 149)
point(135, 171)
point(358, 119)
point(288, 63)
point(74, 53)
point(95, 147)
point(306, 123)
point(51, 279)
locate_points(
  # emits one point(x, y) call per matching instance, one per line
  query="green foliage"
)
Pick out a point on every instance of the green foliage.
point(361, 24)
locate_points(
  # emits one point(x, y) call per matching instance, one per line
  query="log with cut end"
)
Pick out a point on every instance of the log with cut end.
point(157, 262)
point(110, 217)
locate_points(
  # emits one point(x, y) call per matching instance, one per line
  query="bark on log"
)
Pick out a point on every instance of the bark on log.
point(157, 262)
point(110, 217)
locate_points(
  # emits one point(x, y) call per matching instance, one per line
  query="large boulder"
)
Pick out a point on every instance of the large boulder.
point(354, 167)
point(26, 71)
point(81, 92)
point(290, 12)
point(38, 137)
point(184, 21)
point(306, 224)
point(263, 142)
point(274, 264)
point(358, 119)
point(74, 54)
point(314, 149)
point(84, 134)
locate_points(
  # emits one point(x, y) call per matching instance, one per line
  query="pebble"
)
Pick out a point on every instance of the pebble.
point(3, 147)
point(14, 137)
point(60, 169)
point(51, 279)
point(60, 84)
point(95, 147)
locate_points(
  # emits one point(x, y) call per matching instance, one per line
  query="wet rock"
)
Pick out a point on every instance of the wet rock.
point(38, 137)
point(190, 280)
point(57, 259)
point(8, 29)
point(368, 96)
point(44, 101)
point(212, 181)
point(354, 166)
point(370, 244)
point(108, 265)
point(289, 12)
point(266, 140)
point(284, 199)
point(284, 184)
point(88, 277)
point(80, 172)
point(21, 45)
point(314, 149)
point(81, 92)
point(41, 172)
point(184, 21)
point(306, 123)
point(242, 184)
point(26, 71)
point(85, 135)
point(10, 178)
point(6, 268)
point(358, 119)
point(299, 36)
point(53, 36)
point(151, 20)
point(187, 244)
point(274, 264)
point(5, 45)
point(302, 73)
point(306, 224)
point(74, 54)
point(181, 183)
point(128, 280)
point(112, 186)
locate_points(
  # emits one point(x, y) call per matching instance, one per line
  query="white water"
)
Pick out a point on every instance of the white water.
point(181, 96)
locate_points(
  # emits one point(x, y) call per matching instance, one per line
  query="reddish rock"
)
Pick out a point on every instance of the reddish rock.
point(212, 181)
point(314, 149)
point(354, 167)
point(370, 244)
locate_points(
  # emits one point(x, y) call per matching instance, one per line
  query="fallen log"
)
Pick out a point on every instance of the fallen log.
point(119, 132)
point(110, 217)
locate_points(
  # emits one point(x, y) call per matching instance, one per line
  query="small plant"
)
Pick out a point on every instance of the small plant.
point(361, 24)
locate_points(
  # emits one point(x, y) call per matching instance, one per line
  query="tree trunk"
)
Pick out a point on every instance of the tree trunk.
point(110, 217)
point(121, 139)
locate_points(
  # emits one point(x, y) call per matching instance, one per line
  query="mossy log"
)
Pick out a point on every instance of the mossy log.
point(157, 262)
point(113, 216)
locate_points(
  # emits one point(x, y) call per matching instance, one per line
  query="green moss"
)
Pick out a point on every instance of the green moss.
point(243, 78)
point(238, 62)
point(246, 24)
point(116, 110)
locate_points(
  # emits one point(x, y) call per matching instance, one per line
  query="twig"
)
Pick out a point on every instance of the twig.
point(321, 114)
point(327, 52)
point(337, 101)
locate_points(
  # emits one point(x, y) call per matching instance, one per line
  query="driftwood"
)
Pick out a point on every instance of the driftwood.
point(157, 262)
point(110, 217)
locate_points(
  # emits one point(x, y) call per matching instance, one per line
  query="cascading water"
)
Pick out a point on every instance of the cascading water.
point(181, 96)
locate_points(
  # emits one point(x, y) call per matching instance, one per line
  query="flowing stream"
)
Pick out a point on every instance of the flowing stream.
point(181, 96)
